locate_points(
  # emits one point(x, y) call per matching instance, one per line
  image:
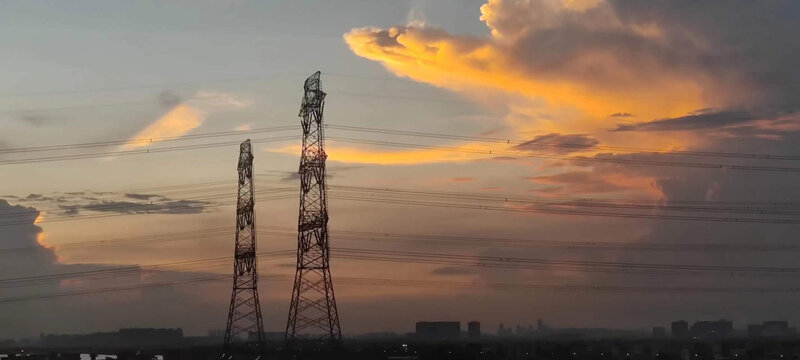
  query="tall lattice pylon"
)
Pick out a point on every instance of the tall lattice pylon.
point(245, 330)
point(312, 312)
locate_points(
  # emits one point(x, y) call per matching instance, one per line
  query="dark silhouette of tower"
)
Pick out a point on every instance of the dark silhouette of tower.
point(312, 312)
point(245, 330)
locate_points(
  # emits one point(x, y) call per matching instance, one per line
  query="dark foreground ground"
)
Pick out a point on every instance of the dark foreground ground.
point(490, 349)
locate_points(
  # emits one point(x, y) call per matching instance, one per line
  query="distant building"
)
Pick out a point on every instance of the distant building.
point(474, 329)
point(503, 331)
point(776, 329)
point(755, 330)
point(680, 329)
point(659, 332)
point(438, 330)
point(718, 329)
point(268, 335)
point(124, 337)
point(541, 326)
point(770, 329)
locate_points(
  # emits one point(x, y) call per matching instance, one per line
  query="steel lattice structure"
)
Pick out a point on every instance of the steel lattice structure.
point(245, 330)
point(312, 312)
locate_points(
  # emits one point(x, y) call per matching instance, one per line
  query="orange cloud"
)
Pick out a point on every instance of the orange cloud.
point(39, 217)
point(176, 122)
point(575, 55)
point(186, 117)
point(346, 154)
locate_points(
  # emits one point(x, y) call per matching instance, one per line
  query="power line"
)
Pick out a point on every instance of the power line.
point(144, 141)
point(406, 283)
point(489, 152)
point(515, 199)
point(757, 207)
point(560, 144)
point(411, 198)
point(412, 257)
point(571, 212)
point(582, 265)
point(165, 205)
point(609, 160)
point(128, 270)
point(137, 152)
point(96, 216)
point(144, 86)
point(349, 235)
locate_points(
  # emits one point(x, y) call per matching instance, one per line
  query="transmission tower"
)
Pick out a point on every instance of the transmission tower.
point(312, 312)
point(245, 330)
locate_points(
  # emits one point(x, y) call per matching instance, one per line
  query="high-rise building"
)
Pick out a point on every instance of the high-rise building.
point(680, 329)
point(474, 329)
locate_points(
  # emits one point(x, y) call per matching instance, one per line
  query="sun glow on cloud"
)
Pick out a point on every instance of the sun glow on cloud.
point(185, 117)
point(347, 154)
point(39, 217)
point(176, 122)
point(582, 78)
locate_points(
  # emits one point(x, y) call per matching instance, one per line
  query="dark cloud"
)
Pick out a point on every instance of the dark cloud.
point(740, 44)
point(23, 235)
point(37, 197)
point(340, 168)
point(290, 176)
point(163, 207)
point(453, 270)
point(621, 114)
point(558, 143)
point(73, 203)
point(711, 119)
point(142, 196)
point(151, 307)
point(740, 51)
point(703, 120)
point(70, 210)
point(169, 99)
point(34, 119)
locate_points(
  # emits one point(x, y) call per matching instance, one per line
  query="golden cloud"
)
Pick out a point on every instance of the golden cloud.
point(575, 55)
point(185, 117)
point(345, 154)
point(178, 121)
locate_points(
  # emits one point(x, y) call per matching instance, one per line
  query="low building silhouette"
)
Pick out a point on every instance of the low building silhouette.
point(772, 329)
point(474, 329)
point(438, 330)
point(121, 338)
point(659, 332)
point(718, 329)
point(680, 329)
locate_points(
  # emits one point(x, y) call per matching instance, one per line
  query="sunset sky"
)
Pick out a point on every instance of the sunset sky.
point(656, 115)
